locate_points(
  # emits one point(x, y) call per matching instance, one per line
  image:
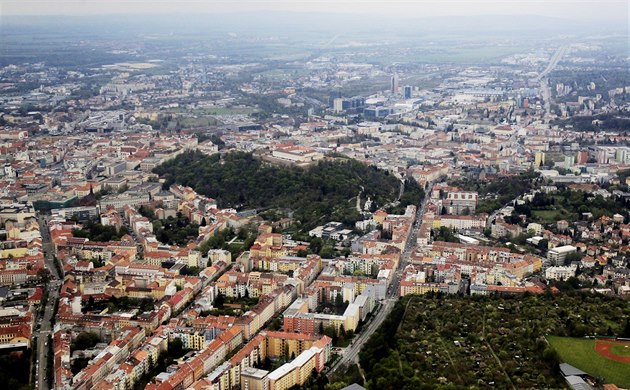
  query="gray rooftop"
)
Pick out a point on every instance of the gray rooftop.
point(577, 383)
point(354, 386)
point(568, 370)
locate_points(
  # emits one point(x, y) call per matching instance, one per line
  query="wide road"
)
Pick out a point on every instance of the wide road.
point(351, 353)
point(545, 89)
point(46, 322)
point(552, 62)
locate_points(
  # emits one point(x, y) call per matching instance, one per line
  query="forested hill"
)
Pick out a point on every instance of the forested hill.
point(324, 192)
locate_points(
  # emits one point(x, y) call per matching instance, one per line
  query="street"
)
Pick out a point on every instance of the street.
point(544, 81)
point(351, 353)
point(46, 321)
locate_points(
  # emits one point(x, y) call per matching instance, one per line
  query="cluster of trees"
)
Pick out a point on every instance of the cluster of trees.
point(174, 351)
point(318, 246)
point(435, 340)
point(147, 212)
point(570, 204)
point(231, 305)
point(216, 139)
point(316, 195)
point(15, 370)
point(504, 190)
point(379, 348)
point(356, 138)
point(85, 340)
point(444, 234)
point(121, 304)
point(245, 238)
point(340, 338)
point(338, 306)
point(191, 271)
point(613, 121)
point(623, 174)
point(94, 231)
point(175, 231)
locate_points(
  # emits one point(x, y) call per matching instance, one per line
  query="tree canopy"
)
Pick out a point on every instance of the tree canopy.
point(435, 340)
point(94, 231)
point(318, 194)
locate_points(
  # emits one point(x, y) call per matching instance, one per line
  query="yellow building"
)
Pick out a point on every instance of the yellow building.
point(283, 378)
point(268, 245)
point(13, 231)
point(254, 379)
point(196, 341)
point(306, 364)
point(190, 339)
point(16, 334)
point(280, 344)
point(407, 288)
point(13, 252)
point(294, 373)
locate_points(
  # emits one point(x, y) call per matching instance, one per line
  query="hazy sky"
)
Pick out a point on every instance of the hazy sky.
point(575, 9)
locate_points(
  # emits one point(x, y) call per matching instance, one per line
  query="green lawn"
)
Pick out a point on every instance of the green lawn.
point(226, 111)
point(621, 350)
point(581, 354)
point(547, 216)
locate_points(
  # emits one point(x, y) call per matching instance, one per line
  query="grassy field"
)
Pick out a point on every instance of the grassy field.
point(581, 354)
point(237, 110)
point(547, 216)
point(621, 350)
point(229, 111)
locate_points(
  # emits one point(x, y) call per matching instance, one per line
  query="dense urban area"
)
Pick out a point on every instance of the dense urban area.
point(263, 211)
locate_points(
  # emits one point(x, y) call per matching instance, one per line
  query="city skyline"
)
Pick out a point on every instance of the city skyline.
point(613, 10)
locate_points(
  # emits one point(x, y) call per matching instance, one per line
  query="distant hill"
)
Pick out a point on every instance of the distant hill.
point(324, 192)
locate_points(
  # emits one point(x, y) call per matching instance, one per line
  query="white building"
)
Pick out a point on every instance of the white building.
point(558, 255)
point(560, 273)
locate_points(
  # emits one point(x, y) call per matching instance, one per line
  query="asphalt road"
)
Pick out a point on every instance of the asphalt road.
point(350, 354)
point(46, 321)
point(544, 81)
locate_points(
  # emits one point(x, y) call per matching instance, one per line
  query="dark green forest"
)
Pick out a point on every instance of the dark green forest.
point(15, 370)
point(615, 121)
point(324, 192)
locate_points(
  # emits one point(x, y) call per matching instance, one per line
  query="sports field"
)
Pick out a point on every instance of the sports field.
point(600, 358)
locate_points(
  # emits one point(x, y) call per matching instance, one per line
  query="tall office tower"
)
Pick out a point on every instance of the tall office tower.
point(332, 97)
point(338, 105)
point(408, 90)
point(395, 83)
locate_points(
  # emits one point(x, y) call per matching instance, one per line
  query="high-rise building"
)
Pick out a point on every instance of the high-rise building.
point(332, 97)
point(603, 156)
point(338, 105)
point(582, 157)
point(408, 90)
point(394, 85)
point(568, 162)
point(539, 159)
